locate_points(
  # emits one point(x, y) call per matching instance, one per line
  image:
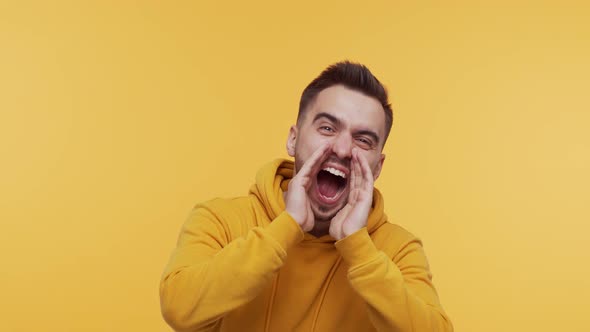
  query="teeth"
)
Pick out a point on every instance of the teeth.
point(335, 171)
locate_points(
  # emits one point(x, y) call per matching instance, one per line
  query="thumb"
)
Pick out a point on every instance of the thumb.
point(309, 219)
point(338, 220)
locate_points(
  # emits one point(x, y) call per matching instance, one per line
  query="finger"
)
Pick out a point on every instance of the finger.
point(341, 215)
point(367, 174)
point(353, 196)
point(336, 222)
point(310, 221)
point(314, 162)
point(353, 174)
point(357, 170)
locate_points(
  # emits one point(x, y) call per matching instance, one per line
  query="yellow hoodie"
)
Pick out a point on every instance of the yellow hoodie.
point(244, 264)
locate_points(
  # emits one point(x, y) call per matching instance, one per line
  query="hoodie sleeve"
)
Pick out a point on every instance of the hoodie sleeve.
point(210, 274)
point(399, 292)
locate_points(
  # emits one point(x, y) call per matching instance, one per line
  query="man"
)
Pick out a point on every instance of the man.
point(310, 248)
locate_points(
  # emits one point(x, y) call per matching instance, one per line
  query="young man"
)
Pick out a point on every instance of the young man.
point(310, 248)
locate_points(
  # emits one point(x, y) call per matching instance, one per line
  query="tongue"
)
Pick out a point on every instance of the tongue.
point(328, 184)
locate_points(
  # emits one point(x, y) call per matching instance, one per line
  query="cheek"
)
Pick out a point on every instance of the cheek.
point(305, 148)
point(374, 163)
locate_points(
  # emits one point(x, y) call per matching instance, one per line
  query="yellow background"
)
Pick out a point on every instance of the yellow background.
point(115, 118)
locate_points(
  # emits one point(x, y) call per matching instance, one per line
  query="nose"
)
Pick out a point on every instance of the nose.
point(342, 146)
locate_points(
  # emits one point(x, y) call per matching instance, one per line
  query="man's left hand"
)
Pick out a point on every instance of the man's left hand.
point(353, 216)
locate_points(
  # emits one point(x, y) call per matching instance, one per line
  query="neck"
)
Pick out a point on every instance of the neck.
point(320, 228)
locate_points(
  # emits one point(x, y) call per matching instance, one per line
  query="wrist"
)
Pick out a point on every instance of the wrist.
point(294, 216)
point(347, 231)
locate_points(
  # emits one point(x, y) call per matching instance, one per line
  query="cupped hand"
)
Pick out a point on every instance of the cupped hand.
point(297, 202)
point(353, 216)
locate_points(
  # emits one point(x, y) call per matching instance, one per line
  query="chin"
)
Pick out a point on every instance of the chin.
point(324, 213)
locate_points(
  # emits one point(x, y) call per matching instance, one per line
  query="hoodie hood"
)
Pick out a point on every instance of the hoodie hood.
point(273, 179)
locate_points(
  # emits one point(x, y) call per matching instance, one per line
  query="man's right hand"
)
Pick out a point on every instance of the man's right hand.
point(297, 200)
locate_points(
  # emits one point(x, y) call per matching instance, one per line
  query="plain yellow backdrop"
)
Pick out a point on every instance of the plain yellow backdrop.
point(117, 117)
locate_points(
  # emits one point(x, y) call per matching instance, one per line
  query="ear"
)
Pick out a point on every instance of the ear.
point(292, 140)
point(378, 168)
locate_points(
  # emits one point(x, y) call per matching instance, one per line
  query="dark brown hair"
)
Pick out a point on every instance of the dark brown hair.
point(354, 76)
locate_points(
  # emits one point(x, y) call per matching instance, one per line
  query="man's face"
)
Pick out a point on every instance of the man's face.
point(346, 119)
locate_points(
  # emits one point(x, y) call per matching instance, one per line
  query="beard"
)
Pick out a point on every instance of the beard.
point(324, 213)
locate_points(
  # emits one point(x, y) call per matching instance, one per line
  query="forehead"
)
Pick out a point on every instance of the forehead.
point(352, 107)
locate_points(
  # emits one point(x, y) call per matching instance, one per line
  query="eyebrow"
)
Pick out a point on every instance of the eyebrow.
point(328, 116)
point(338, 122)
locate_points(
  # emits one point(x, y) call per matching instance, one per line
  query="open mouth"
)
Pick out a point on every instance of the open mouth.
point(331, 183)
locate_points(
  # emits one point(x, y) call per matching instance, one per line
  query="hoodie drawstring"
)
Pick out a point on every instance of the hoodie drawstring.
point(324, 291)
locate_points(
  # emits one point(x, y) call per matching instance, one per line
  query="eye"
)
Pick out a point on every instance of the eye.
point(364, 141)
point(327, 129)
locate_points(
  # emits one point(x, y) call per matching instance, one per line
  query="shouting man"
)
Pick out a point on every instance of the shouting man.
point(310, 248)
